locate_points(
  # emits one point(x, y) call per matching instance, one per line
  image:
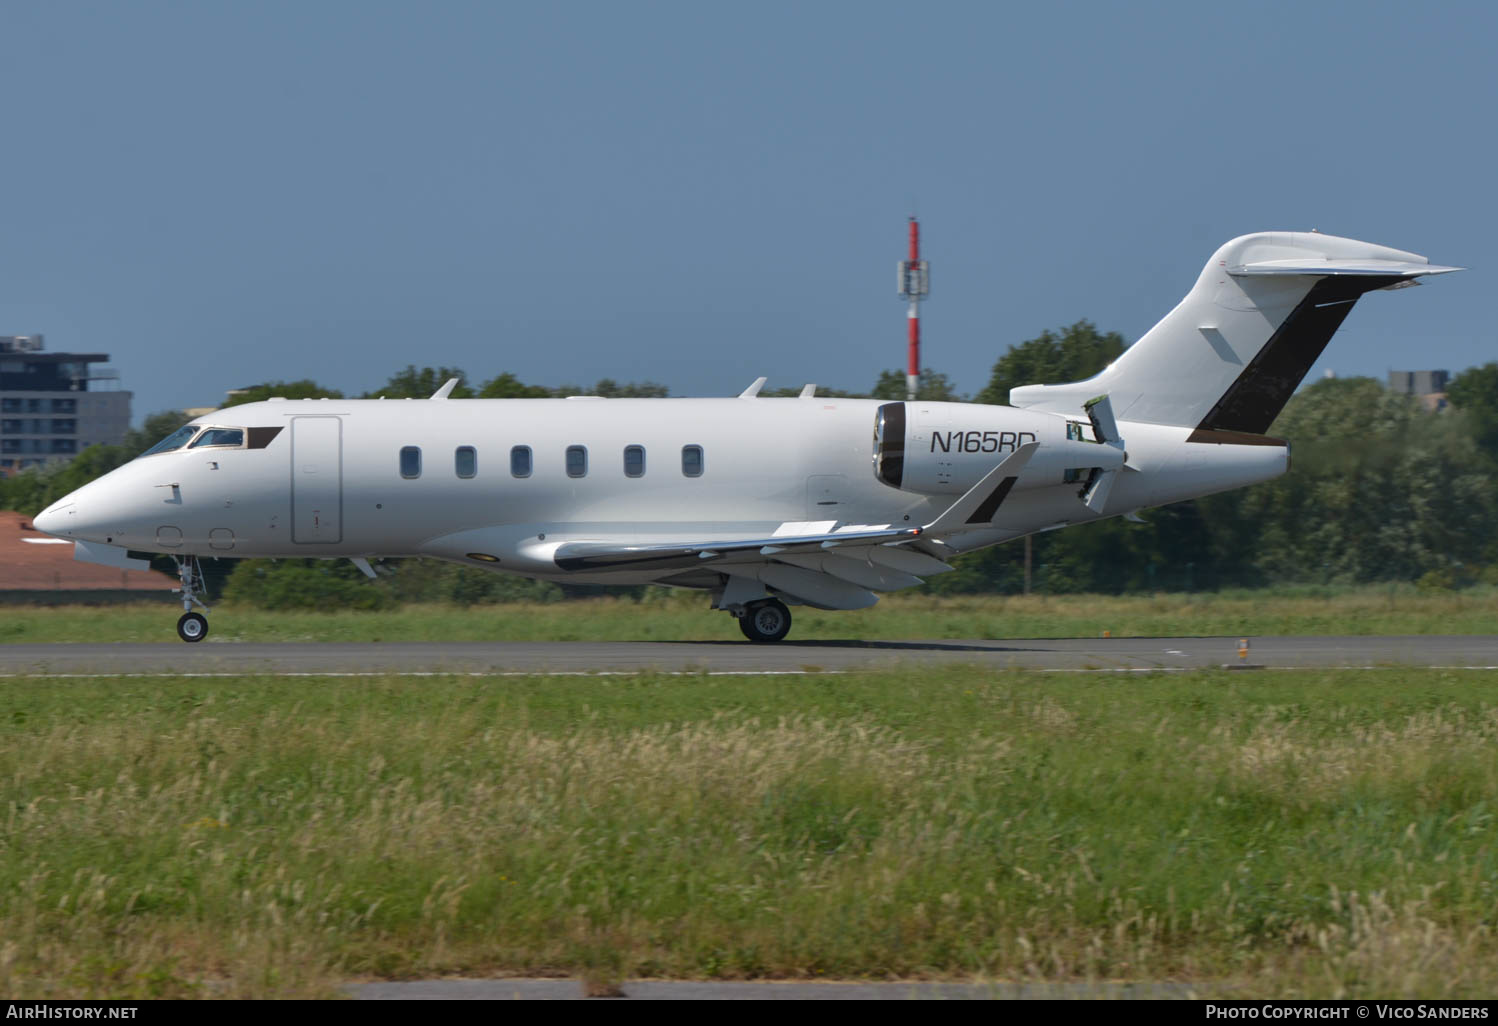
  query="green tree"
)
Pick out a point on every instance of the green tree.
point(1474, 393)
point(508, 386)
point(420, 384)
point(303, 389)
point(630, 389)
point(932, 386)
point(611, 389)
point(435, 580)
point(791, 392)
point(1379, 489)
point(1071, 354)
point(312, 584)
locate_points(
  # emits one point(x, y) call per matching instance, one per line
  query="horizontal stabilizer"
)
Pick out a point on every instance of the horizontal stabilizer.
point(1232, 352)
point(1375, 268)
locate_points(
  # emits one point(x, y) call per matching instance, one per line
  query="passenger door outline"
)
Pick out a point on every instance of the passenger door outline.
point(316, 480)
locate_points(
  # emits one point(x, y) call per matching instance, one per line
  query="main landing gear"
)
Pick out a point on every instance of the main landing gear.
point(766, 621)
point(192, 626)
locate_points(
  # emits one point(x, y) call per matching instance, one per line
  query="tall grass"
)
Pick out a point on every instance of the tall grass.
point(1309, 834)
point(684, 617)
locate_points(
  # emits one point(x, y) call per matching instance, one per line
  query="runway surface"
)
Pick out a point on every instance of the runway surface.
point(498, 657)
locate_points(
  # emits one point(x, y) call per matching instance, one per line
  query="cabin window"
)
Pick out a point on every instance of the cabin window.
point(410, 462)
point(219, 436)
point(691, 460)
point(577, 461)
point(520, 461)
point(634, 461)
point(466, 461)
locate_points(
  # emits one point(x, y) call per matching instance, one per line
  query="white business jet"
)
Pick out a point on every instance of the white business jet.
point(761, 503)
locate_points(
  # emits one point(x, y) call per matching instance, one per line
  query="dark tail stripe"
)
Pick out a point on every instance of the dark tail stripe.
point(1233, 438)
point(1253, 401)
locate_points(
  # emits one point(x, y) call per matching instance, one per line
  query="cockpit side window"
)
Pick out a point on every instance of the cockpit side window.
point(176, 440)
point(219, 436)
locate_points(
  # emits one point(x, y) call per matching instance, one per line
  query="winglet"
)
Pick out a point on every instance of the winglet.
point(753, 390)
point(977, 508)
point(808, 392)
point(446, 389)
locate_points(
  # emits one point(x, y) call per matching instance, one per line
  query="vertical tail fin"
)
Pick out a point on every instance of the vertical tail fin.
point(1231, 353)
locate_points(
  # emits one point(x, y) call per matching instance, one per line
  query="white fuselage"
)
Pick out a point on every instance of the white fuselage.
point(330, 483)
point(760, 502)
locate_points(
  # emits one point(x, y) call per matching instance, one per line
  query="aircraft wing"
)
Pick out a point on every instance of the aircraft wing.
point(674, 556)
point(822, 564)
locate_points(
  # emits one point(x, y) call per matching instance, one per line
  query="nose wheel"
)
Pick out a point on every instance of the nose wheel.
point(766, 621)
point(191, 626)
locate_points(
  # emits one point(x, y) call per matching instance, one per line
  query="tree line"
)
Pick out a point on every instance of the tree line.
point(1380, 490)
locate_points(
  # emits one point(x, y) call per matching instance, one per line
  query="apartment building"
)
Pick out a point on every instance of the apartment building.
point(54, 405)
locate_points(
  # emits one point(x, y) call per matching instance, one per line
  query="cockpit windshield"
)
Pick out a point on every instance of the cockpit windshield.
point(176, 440)
point(219, 436)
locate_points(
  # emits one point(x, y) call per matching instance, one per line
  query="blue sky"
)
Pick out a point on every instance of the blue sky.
point(221, 193)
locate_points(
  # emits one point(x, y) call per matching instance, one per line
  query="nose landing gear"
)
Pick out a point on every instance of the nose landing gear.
point(191, 626)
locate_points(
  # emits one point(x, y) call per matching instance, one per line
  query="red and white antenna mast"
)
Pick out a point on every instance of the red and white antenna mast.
point(915, 285)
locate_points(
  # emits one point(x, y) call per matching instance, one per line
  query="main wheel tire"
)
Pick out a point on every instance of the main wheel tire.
point(192, 627)
point(768, 621)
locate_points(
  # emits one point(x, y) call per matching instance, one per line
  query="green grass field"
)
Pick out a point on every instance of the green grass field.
point(685, 617)
point(1307, 833)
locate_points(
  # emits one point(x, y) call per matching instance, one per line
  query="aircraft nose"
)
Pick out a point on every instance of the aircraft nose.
point(53, 519)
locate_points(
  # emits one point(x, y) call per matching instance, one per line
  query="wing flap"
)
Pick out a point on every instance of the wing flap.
point(854, 571)
point(589, 555)
point(816, 589)
point(905, 559)
point(973, 511)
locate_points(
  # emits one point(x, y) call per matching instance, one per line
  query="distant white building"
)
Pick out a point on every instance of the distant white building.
point(54, 405)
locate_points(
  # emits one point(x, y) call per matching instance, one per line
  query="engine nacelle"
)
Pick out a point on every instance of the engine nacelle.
point(946, 448)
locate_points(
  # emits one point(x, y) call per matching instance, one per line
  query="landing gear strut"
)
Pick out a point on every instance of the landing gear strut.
point(191, 626)
point(766, 621)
